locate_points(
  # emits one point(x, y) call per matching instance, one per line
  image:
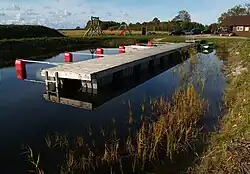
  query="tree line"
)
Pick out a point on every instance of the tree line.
point(182, 21)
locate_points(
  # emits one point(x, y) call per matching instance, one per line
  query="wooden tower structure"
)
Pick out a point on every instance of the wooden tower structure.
point(125, 29)
point(94, 28)
point(144, 30)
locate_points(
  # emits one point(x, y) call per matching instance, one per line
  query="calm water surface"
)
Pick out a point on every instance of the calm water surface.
point(26, 118)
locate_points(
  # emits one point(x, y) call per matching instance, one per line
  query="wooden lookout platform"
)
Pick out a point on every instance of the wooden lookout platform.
point(95, 73)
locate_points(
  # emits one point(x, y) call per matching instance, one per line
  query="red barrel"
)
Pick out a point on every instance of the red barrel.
point(137, 44)
point(121, 49)
point(21, 73)
point(150, 43)
point(99, 51)
point(68, 57)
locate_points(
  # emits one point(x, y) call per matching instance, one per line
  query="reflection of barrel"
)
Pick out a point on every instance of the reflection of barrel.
point(21, 75)
point(20, 69)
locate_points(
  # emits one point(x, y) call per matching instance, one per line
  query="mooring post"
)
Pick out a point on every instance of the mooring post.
point(47, 84)
point(84, 86)
point(57, 86)
point(94, 86)
point(46, 80)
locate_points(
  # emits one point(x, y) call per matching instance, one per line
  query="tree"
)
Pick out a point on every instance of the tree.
point(238, 10)
point(213, 27)
point(156, 20)
point(183, 16)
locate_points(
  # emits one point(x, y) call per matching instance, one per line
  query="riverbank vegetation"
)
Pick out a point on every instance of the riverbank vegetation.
point(170, 129)
point(228, 150)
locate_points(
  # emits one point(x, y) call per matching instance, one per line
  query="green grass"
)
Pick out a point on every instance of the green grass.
point(228, 150)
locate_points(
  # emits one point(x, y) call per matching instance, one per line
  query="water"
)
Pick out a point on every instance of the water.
point(26, 117)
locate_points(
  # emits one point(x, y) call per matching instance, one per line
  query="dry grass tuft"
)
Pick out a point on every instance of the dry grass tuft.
point(170, 130)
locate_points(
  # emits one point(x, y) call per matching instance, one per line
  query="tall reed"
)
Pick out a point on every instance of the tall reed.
point(170, 130)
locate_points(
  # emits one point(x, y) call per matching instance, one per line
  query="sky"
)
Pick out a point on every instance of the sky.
point(73, 13)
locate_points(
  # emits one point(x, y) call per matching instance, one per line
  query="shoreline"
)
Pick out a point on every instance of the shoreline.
point(227, 150)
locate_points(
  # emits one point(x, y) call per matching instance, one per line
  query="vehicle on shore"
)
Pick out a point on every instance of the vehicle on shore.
point(196, 31)
point(206, 32)
point(188, 32)
point(151, 33)
point(225, 32)
point(177, 33)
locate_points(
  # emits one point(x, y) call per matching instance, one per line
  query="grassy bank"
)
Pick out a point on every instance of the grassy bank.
point(27, 31)
point(228, 150)
point(81, 32)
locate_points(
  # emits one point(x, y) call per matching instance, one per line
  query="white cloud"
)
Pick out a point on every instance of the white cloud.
point(72, 13)
point(61, 13)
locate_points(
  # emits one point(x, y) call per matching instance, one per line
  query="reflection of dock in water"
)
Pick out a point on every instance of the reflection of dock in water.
point(90, 101)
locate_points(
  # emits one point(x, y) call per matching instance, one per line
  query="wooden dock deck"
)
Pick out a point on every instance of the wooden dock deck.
point(97, 72)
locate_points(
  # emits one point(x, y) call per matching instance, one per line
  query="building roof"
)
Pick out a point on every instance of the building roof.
point(236, 20)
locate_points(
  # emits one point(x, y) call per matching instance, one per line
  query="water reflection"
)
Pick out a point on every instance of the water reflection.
point(26, 117)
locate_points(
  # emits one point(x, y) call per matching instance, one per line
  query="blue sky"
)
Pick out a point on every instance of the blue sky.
point(72, 13)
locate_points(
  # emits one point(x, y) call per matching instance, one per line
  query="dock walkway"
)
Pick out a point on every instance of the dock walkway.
point(94, 72)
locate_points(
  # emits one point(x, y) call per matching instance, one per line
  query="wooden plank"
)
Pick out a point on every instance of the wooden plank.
point(70, 102)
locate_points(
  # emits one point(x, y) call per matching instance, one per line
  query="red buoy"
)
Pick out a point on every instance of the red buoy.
point(20, 69)
point(68, 57)
point(150, 43)
point(121, 49)
point(137, 44)
point(99, 51)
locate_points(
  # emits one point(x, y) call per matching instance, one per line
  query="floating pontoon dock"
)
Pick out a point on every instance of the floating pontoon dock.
point(95, 73)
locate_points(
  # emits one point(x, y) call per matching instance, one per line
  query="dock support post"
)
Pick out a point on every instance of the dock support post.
point(46, 80)
point(89, 86)
point(57, 86)
point(94, 86)
point(47, 84)
point(84, 86)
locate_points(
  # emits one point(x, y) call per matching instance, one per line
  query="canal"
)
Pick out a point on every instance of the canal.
point(26, 117)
